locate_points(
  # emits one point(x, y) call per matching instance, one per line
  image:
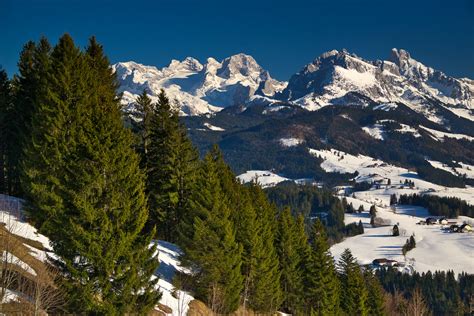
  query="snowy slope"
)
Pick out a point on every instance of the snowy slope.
point(264, 178)
point(198, 88)
point(370, 169)
point(436, 249)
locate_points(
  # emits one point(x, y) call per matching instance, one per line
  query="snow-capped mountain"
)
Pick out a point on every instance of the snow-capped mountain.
point(338, 77)
point(199, 88)
point(335, 77)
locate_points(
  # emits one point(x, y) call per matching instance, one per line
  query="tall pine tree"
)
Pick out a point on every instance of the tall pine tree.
point(5, 130)
point(265, 291)
point(30, 88)
point(322, 288)
point(353, 289)
point(212, 251)
point(171, 164)
point(85, 189)
point(291, 252)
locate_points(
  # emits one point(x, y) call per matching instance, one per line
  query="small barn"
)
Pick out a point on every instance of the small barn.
point(383, 262)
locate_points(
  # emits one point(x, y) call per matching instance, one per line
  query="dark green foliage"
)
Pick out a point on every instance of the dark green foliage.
point(409, 245)
point(375, 299)
point(373, 215)
point(443, 294)
point(171, 165)
point(213, 252)
point(5, 132)
point(393, 199)
point(439, 206)
point(292, 246)
point(265, 293)
point(354, 229)
point(395, 230)
point(84, 188)
point(313, 202)
point(321, 282)
point(29, 88)
point(354, 294)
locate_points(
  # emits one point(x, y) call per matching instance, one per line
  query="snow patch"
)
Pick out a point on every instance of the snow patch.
point(264, 178)
point(290, 142)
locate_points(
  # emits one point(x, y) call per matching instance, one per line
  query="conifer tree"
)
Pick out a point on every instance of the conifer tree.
point(171, 167)
point(30, 87)
point(213, 253)
point(145, 106)
point(353, 290)
point(291, 256)
point(375, 298)
point(322, 286)
point(85, 189)
point(5, 130)
point(265, 291)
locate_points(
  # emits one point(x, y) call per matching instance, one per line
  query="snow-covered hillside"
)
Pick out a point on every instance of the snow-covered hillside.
point(264, 178)
point(198, 88)
point(436, 249)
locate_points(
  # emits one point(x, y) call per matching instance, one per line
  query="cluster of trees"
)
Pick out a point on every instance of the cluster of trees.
point(439, 206)
point(409, 245)
point(69, 155)
point(313, 202)
point(442, 292)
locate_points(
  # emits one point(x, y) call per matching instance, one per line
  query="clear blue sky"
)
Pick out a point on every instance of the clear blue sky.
point(281, 35)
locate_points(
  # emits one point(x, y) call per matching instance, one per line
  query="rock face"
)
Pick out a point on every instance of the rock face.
point(335, 77)
point(340, 78)
point(198, 88)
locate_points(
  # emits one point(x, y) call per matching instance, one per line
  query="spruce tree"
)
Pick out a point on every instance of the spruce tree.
point(265, 291)
point(353, 289)
point(30, 87)
point(291, 254)
point(144, 106)
point(213, 253)
point(375, 298)
point(85, 189)
point(5, 130)
point(171, 167)
point(322, 286)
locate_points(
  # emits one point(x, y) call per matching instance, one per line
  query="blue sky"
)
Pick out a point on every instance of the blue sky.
point(281, 35)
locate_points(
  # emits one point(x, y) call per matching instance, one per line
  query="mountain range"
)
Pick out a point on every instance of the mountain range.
point(334, 78)
point(398, 111)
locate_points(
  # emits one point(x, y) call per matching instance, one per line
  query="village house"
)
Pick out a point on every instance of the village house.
point(383, 262)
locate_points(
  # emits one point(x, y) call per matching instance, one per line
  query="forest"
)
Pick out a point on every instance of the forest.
point(101, 192)
point(450, 207)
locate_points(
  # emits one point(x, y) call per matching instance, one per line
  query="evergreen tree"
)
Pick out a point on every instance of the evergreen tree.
point(145, 106)
point(322, 287)
point(171, 166)
point(395, 230)
point(265, 292)
point(5, 130)
point(213, 252)
point(85, 189)
point(353, 290)
point(291, 262)
point(30, 88)
point(360, 227)
point(375, 299)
